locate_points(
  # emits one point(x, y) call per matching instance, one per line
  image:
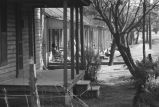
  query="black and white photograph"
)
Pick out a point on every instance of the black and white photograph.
point(79, 53)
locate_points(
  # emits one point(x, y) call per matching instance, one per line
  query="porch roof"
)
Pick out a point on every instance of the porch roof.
point(57, 13)
point(54, 3)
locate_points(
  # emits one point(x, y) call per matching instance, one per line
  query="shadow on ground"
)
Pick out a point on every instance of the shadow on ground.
point(114, 95)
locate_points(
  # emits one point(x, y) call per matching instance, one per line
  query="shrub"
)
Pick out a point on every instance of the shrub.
point(93, 63)
point(150, 70)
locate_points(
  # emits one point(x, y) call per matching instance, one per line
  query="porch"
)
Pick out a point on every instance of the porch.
point(49, 84)
point(45, 78)
point(26, 37)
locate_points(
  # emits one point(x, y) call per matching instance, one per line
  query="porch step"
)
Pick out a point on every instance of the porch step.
point(92, 92)
point(102, 56)
point(81, 87)
point(52, 67)
point(83, 82)
point(49, 95)
point(115, 63)
point(84, 89)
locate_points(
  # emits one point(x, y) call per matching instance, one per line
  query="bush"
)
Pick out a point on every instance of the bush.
point(93, 63)
point(149, 67)
point(151, 72)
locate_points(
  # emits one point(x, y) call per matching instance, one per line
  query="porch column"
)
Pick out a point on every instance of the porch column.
point(87, 38)
point(58, 39)
point(50, 40)
point(77, 42)
point(53, 36)
point(72, 41)
point(18, 36)
point(35, 102)
point(65, 42)
point(98, 39)
point(82, 40)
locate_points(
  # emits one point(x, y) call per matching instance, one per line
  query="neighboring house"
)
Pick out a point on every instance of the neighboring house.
point(96, 35)
point(53, 31)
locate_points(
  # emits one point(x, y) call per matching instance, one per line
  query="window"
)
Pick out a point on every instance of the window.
point(3, 33)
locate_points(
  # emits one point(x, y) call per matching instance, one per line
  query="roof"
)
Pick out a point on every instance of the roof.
point(54, 3)
point(57, 13)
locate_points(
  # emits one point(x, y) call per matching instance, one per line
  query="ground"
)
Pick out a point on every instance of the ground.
point(117, 88)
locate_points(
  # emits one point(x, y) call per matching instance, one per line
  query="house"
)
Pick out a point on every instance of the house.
point(97, 37)
point(21, 43)
point(96, 34)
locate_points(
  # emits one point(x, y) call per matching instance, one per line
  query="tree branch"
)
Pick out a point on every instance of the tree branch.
point(135, 24)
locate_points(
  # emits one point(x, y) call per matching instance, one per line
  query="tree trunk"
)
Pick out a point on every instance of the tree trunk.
point(150, 41)
point(112, 51)
point(126, 55)
point(137, 37)
point(147, 33)
point(132, 37)
point(143, 33)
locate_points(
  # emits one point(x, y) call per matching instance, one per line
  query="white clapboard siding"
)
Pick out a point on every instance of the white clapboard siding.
point(7, 76)
point(8, 71)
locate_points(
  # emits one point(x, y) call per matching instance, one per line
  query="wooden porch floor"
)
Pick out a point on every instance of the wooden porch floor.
point(50, 88)
point(46, 78)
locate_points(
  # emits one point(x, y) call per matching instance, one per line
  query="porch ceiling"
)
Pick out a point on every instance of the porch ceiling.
point(53, 3)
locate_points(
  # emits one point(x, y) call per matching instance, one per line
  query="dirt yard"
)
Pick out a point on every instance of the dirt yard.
point(116, 88)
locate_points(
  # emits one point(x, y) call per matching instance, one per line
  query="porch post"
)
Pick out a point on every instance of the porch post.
point(82, 40)
point(98, 39)
point(65, 42)
point(58, 39)
point(35, 102)
point(18, 34)
point(72, 41)
point(77, 43)
point(53, 36)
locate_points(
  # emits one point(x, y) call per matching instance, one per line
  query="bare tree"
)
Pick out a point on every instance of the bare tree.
point(121, 17)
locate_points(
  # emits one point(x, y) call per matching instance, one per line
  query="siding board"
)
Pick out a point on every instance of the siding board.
point(8, 71)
